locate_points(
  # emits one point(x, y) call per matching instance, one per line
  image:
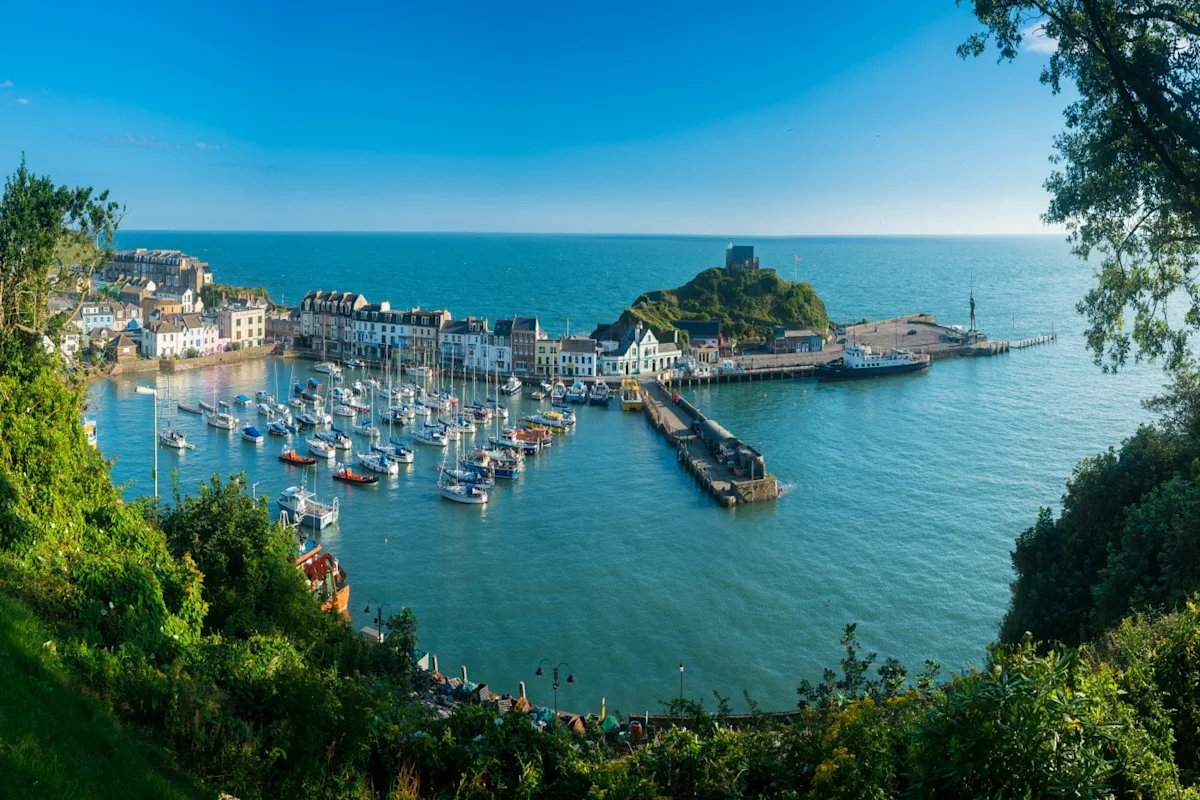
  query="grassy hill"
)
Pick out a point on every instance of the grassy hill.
point(748, 303)
point(56, 742)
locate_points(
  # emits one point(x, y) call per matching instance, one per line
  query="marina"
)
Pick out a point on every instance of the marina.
point(874, 475)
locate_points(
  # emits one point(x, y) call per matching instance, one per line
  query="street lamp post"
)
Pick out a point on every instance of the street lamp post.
point(378, 616)
point(153, 393)
point(570, 679)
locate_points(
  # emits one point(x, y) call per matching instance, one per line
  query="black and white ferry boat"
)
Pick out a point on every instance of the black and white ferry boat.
point(860, 361)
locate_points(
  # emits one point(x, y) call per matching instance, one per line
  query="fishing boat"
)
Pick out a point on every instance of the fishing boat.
point(326, 368)
point(378, 462)
point(251, 434)
point(289, 456)
point(206, 406)
point(546, 386)
point(395, 451)
point(431, 437)
point(860, 361)
point(182, 406)
point(277, 428)
point(264, 396)
point(242, 400)
point(356, 363)
point(577, 393)
point(511, 386)
point(538, 395)
point(558, 394)
point(345, 474)
point(367, 429)
point(321, 449)
point(631, 395)
point(175, 439)
point(600, 394)
point(555, 420)
point(304, 506)
point(326, 578)
point(221, 419)
point(337, 438)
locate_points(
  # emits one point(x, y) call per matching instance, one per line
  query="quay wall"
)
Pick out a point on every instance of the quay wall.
point(171, 366)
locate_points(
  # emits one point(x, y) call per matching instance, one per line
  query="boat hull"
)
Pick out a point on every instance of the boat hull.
point(828, 372)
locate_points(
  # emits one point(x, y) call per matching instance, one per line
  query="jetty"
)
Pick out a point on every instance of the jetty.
point(730, 470)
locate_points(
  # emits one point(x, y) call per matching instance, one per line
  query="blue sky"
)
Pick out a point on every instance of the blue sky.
point(716, 118)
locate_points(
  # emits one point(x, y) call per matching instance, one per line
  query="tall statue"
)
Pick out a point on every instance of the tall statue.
point(972, 310)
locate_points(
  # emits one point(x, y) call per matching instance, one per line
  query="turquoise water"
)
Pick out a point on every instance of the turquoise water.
point(904, 495)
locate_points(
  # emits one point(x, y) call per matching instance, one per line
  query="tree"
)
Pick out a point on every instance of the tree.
point(45, 231)
point(1126, 182)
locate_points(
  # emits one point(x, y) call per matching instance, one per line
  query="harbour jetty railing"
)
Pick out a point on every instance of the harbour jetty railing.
point(1032, 341)
point(731, 471)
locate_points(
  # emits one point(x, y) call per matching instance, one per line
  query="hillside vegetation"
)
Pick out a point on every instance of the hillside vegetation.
point(748, 303)
point(186, 620)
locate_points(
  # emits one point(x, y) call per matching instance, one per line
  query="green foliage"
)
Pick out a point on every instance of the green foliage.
point(56, 742)
point(1127, 182)
point(748, 303)
point(44, 230)
point(215, 293)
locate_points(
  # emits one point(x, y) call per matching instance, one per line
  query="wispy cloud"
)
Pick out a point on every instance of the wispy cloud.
point(139, 141)
point(5, 84)
point(207, 146)
point(1036, 40)
point(24, 101)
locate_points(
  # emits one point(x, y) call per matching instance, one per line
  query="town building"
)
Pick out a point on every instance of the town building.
point(327, 321)
point(243, 323)
point(498, 355)
point(459, 338)
point(124, 314)
point(153, 308)
point(546, 355)
point(701, 332)
point(795, 341)
point(420, 332)
point(283, 327)
point(162, 339)
point(121, 348)
point(167, 268)
point(639, 353)
point(523, 333)
point(93, 316)
point(578, 357)
point(187, 299)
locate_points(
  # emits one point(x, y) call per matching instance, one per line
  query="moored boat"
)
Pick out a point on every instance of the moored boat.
point(221, 419)
point(600, 394)
point(395, 451)
point(289, 456)
point(252, 434)
point(321, 449)
point(511, 386)
point(327, 368)
point(466, 493)
point(631, 395)
point(242, 400)
point(175, 439)
point(188, 408)
point(366, 429)
point(277, 428)
point(577, 393)
point(860, 361)
point(378, 462)
point(345, 474)
point(304, 506)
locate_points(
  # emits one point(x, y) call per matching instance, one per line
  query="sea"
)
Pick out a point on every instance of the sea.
point(903, 495)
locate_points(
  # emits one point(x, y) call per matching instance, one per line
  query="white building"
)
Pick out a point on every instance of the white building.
point(579, 357)
point(639, 353)
point(186, 298)
point(94, 316)
point(162, 339)
point(243, 323)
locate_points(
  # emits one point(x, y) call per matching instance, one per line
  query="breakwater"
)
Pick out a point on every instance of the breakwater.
point(730, 470)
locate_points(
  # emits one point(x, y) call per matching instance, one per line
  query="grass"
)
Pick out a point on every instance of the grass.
point(56, 742)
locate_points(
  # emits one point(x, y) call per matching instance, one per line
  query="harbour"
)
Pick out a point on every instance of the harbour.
point(608, 544)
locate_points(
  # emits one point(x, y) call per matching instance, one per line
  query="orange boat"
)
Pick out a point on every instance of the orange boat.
point(348, 475)
point(326, 578)
point(290, 456)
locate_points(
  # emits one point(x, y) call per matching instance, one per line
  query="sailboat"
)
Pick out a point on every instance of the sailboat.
point(220, 417)
point(169, 436)
point(451, 488)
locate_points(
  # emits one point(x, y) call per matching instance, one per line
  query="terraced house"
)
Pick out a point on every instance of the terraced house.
point(327, 321)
